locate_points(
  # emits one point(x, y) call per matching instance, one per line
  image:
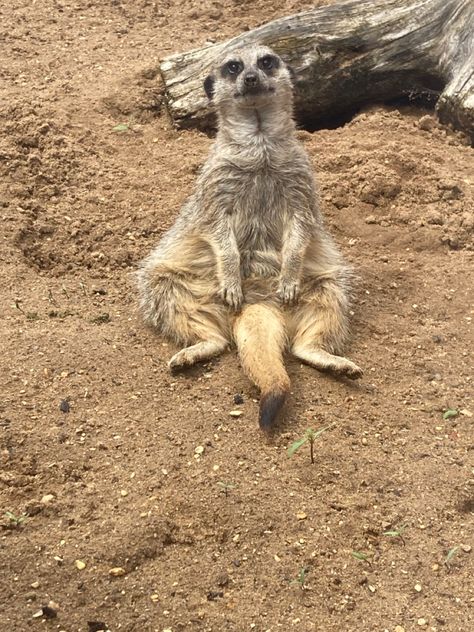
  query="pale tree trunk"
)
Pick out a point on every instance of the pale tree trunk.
point(349, 54)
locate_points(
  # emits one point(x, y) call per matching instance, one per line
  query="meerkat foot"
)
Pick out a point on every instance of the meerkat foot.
point(324, 361)
point(199, 352)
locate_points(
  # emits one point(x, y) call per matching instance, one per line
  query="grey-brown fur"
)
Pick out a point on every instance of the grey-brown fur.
point(249, 251)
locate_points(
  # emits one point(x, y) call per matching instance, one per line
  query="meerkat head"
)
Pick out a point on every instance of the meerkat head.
point(250, 77)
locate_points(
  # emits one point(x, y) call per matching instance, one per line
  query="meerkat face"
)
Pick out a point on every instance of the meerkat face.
point(249, 78)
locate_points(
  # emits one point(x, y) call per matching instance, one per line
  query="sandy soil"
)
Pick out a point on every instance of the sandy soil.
point(215, 528)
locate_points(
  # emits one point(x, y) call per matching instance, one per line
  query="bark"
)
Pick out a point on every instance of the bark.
point(350, 54)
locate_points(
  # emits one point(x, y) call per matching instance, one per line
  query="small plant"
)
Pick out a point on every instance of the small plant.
point(451, 412)
point(450, 555)
point(15, 521)
point(225, 487)
point(310, 437)
point(396, 533)
point(360, 555)
point(120, 128)
point(301, 578)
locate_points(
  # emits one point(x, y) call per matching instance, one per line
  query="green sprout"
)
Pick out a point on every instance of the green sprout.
point(301, 579)
point(450, 412)
point(121, 127)
point(396, 533)
point(359, 555)
point(450, 555)
point(310, 437)
point(15, 521)
point(225, 487)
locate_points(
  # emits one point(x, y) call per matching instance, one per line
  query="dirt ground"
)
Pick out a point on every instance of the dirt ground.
point(215, 528)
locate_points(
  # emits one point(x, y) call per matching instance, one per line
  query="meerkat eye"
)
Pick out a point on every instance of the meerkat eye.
point(268, 62)
point(234, 67)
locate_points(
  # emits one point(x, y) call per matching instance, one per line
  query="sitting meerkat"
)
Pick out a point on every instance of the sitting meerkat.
point(249, 260)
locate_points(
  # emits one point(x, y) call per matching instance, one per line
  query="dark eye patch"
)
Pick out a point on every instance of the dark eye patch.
point(268, 63)
point(232, 68)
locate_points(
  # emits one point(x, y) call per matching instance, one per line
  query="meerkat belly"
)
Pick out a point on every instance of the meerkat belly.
point(260, 214)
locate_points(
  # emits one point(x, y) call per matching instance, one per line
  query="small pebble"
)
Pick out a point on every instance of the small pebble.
point(398, 628)
point(467, 548)
point(301, 515)
point(64, 406)
point(422, 621)
point(117, 571)
point(47, 498)
point(235, 413)
point(35, 584)
point(80, 565)
point(418, 587)
point(199, 449)
point(123, 492)
point(155, 598)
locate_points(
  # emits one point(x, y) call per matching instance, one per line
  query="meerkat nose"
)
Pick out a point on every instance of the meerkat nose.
point(251, 79)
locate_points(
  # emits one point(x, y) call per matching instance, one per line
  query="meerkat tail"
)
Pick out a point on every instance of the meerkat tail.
point(260, 336)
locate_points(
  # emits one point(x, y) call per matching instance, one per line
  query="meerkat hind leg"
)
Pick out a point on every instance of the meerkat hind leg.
point(319, 327)
point(324, 361)
point(199, 352)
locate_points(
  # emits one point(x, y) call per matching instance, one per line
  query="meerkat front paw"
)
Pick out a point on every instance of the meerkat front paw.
point(231, 293)
point(288, 292)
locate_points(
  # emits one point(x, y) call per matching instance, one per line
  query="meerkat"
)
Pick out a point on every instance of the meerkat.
point(249, 260)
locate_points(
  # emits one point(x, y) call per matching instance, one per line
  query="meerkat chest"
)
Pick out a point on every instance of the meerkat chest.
point(261, 211)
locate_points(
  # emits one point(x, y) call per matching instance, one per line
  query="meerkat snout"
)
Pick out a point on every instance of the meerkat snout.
point(249, 77)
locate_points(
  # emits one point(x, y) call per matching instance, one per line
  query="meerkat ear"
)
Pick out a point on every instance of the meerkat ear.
point(209, 86)
point(292, 74)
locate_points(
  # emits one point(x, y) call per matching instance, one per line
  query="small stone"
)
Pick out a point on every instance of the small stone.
point(35, 584)
point(466, 412)
point(47, 612)
point(80, 565)
point(123, 492)
point(372, 588)
point(426, 123)
point(236, 413)
point(435, 567)
point(418, 587)
point(422, 621)
point(364, 441)
point(155, 598)
point(47, 498)
point(370, 219)
point(398, 628)
point(199, 450)
point(64, 406)
point(467, 548)
point(117, 571)
point(301, 515)
point(97, 626)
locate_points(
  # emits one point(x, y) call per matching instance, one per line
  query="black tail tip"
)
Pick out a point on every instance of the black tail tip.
point(271, 405)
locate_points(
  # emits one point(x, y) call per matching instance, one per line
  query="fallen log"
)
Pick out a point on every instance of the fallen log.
point(350, 54)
